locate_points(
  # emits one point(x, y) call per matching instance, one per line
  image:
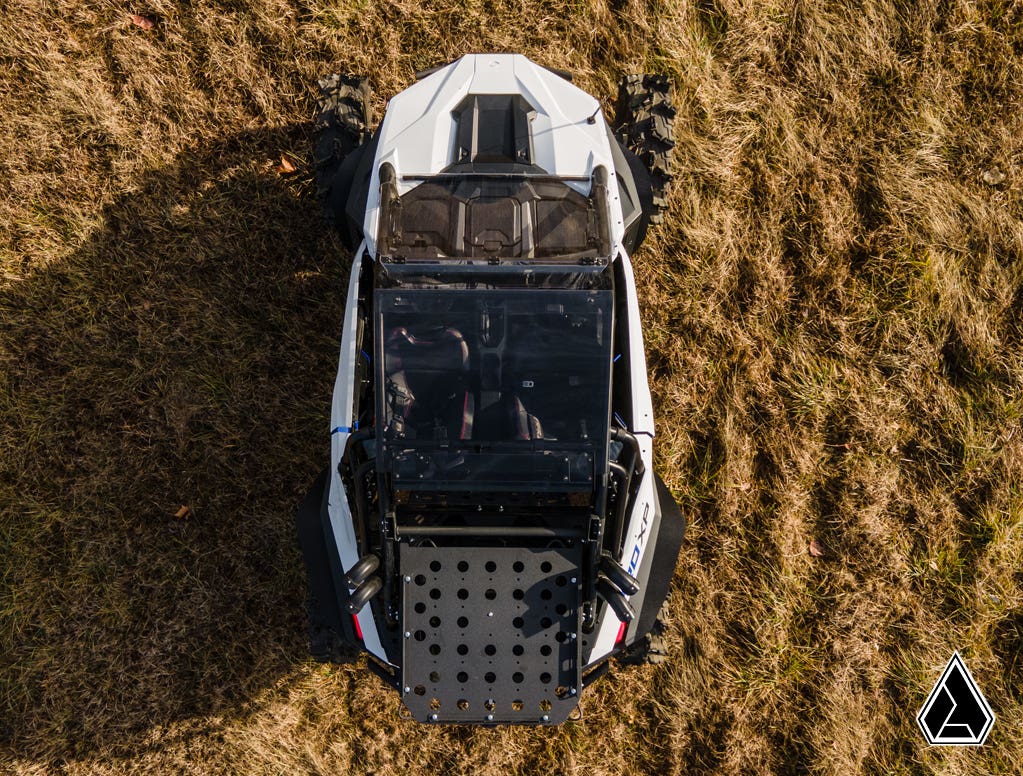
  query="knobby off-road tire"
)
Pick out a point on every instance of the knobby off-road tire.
point(342, 125)
point(325, 644)
point(644, 123)
point(650, 649)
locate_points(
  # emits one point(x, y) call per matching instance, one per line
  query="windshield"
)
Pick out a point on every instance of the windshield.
point(497, 386)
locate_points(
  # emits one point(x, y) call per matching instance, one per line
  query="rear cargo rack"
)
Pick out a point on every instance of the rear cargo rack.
point(490, 634)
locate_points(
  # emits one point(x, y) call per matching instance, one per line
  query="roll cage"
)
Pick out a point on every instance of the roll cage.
point(431, 474)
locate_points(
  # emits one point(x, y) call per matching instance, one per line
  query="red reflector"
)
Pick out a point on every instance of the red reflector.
point(358, 630)
point(621, 634)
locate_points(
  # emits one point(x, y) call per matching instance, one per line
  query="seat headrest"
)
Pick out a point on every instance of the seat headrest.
point(445, 349)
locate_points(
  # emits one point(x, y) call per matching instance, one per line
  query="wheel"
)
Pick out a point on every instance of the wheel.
point(342, 127)
point(327, 646)
point(656, 653)
point(644, 124)
point(650, 649)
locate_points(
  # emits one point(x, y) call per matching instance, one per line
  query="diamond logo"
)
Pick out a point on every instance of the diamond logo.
point(955, 713)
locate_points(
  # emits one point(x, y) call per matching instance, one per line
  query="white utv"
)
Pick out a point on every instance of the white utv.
point(490, 529)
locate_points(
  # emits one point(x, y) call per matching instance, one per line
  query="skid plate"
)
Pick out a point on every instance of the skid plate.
point(490, 634)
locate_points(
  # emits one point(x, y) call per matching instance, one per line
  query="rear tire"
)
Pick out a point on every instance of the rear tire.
point(644, 124)
point(326, 645)
point(650, 649)
point(342, 126)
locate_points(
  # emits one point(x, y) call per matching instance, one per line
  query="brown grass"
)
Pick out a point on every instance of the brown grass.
point(834, 322)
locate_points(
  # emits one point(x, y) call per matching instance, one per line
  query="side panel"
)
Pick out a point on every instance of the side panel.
point(341, 418)
point(642, 406)
point(659, 561)
point(644, 513)
point(327, 622)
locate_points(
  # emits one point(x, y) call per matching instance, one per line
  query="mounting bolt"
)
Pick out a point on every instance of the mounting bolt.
point(572, 636)
point(408, 634)
point(490, 614)
point(408, 578)
point(490, 717)
point(545, 718)
point(573, 580)
point(408, 690)
point(573, 691)
point(433, 717)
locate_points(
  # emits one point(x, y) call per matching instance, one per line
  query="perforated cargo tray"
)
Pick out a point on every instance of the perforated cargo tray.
point(490, 634)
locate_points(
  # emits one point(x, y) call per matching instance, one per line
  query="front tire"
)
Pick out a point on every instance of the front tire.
point(644, 124)
point(342, 127)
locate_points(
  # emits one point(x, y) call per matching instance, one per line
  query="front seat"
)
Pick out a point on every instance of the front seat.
point(427, 392)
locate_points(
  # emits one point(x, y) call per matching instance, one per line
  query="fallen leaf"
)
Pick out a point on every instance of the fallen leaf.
point(183, 512)
point(993, 177)
point(142, 21)
point(285, 167)
point(815, 549)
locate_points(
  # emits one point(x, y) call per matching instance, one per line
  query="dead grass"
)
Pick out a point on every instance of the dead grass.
point(834, 330)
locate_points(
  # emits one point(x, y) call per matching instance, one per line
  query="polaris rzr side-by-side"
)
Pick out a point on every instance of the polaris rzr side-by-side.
point(491, 530)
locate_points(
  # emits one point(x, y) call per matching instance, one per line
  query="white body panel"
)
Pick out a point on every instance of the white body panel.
point(417, 136)
point(636, 533)
point(642, 406)
point(341, 417)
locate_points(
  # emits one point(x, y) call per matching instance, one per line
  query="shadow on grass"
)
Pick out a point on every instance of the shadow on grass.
point(184, 356)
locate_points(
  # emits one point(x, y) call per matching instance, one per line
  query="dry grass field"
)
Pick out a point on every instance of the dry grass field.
point(834, 313)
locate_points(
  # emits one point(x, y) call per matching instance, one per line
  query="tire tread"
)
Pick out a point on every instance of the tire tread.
point(645, 124)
